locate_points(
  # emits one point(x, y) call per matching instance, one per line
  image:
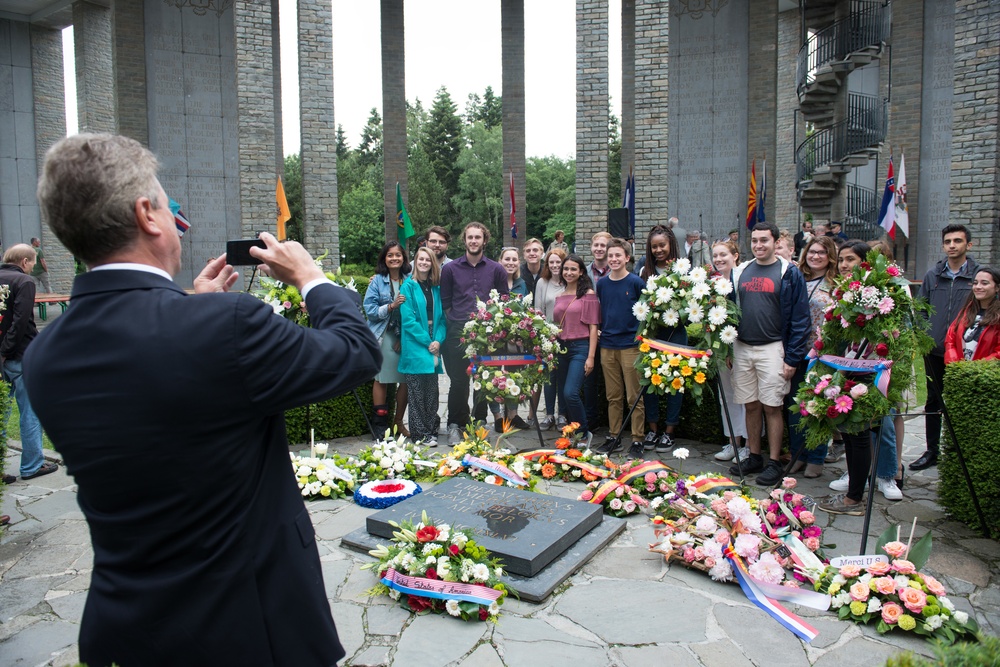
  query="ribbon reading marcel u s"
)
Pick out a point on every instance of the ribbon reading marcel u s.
point(497, 469)
point(505, 360)
point(441, 590)
point(673, 348)
point(880, 367)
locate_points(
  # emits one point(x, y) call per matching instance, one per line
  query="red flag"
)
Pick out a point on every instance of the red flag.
point(513, 210)
point(752, 197)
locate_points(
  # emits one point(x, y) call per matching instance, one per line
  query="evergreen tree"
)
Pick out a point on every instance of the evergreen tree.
point(492, 110)
point(615, 171)
point(550, 196)
point(480, 186)
point(442, 140)
point(342, 148)
point(370, 149)
point(362, 228)
point(292, 181)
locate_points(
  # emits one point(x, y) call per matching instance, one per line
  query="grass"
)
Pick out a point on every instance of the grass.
point(14, 427)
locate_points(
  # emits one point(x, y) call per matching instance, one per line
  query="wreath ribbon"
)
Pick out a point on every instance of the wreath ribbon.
point(505, 360)
point(640, 471)
point(880, 367)
point(582, 465)
point(440, 590)
point(497, 469)
point(673, 348)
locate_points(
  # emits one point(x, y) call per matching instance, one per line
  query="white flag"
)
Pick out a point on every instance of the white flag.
point(902, 214)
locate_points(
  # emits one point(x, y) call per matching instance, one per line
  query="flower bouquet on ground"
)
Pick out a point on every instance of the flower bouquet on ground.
point(286, 300)
point(439, 568)
point(691, 298)
point(864, 353)
point(512, 348)
point(390, 458)
point(568, 461)
point(320, 477)
point(895, 595)
point(617, 499)
point(476, 458)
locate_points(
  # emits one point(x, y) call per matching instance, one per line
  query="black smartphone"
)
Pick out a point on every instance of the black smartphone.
point(238, 252)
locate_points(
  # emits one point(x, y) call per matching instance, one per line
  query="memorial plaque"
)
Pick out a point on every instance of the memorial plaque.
point(526, 530)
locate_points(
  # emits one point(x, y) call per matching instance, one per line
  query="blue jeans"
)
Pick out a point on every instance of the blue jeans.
point(550, 389)
point(31, 428)
point(887, 464)
point(571, 376)
point(651, 402)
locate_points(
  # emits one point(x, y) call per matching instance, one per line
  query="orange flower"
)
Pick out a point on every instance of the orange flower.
point(548, 471)
point(644, 347)
point(699, 377)
point(686, 371)
point(675, 362)
point(563, 443)
point(655, 363)
point(574, 453)
point(570, 427)
point(677, 383)
point(656, 379)
point(587, 476)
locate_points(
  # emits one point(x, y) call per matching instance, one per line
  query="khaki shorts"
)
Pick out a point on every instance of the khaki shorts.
point(757, 373)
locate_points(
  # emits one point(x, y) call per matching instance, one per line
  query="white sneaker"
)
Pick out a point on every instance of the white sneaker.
point(743, 453)
point(728, 453)
point(842, 483)
point(888, 489)
point(454, 434)
point(547, 423)
point(561, 422)
point(431, 441)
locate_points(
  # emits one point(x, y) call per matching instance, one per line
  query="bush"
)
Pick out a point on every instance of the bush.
point(701, 422)
point(336, 418)
point(984, 654)
point(970, 395)
point(5, 401)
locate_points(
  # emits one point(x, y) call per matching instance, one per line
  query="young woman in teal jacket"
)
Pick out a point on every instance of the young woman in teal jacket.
point(423, 333)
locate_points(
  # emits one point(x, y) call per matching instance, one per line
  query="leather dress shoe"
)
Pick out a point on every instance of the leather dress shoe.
point(926, 460)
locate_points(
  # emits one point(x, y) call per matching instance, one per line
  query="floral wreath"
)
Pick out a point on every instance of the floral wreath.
point(571, 460)
point(476, 458)
point(439, 568)
point(390, 458)
point(286, 299)
point(690, 297)
point(863, 358)
point(511, 346)
point(320, 477)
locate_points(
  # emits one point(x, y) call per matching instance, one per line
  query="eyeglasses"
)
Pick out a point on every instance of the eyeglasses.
point(817, 252)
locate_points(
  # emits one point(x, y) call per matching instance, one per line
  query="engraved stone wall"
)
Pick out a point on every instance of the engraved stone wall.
point(129, 28)
point(591, 121)
point(783, 172)
point(95, 91)
point(652, 48)
point(709, 164)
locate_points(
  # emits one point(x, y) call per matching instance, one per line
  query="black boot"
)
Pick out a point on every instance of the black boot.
point(380, 421)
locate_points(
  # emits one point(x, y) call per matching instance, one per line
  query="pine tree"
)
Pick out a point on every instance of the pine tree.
point(370, 149)
point(443, 140)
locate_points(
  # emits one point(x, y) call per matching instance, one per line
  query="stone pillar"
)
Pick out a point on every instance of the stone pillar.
point(975, 158)
point(393, 111)
point(128, 23)
point(762, 88)
point(628, 89)
point(652, 48)
point(319, 133)
point(255, 115)
point(591, 120)
point(512, 37)
point(50, 126)
point(95, 91)
point(782, 171)
point(279, 148)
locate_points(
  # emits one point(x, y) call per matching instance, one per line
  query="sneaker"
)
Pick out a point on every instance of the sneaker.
point(432, 441)
point(636, 450)
point(610, 446)
point(650, 440)
point(743, 452)
point(728, 453)
point(530, 422)
point(773, 473)
point(835, 453)
point(838, 505)
point(454, 434)
point(888, 488)
point(547, 423)
point(841, 483)
point(588, 437)
point(561, 422)
point(665, 443)
point(753, 463)
point(9, 479)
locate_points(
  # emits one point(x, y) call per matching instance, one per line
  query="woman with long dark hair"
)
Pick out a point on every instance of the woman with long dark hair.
point(578, 314)
point(382, 303)
point(547, 288)
point(975, 333)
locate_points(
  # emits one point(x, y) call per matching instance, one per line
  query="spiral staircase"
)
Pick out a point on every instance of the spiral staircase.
point(848, 129)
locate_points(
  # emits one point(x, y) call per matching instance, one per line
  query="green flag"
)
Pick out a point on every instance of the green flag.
point(404, 228)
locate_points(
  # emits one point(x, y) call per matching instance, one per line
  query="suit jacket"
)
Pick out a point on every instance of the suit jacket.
point(17, 320)
point(167, 409)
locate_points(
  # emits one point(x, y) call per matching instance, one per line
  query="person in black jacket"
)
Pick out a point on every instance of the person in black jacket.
point(17, 330)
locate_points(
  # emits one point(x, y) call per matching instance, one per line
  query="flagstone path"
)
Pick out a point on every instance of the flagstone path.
point(625, 607)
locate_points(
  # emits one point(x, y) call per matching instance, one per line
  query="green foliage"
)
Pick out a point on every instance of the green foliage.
point(342, 148)
point(699, 422)
point(292, 181)
point(480, 186)
point(426, 201)
point(550, 197)
point(336, 418)
point(442, 140)
point(615, 172)
point(984, 654)
point(362, 228)
point(487, 109)
point(970, 394)
point(370, 148)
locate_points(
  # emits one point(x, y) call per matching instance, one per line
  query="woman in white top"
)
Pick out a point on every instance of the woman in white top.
point(547, 288)
point(725, 256)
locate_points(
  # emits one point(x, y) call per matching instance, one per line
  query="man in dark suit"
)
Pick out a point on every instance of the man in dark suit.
point(167, 409)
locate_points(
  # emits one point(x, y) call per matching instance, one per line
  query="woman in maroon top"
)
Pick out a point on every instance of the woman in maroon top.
point(578, 314)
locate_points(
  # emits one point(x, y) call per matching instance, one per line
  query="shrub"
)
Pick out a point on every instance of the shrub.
point(984, 654)
point(336, 418)
point(970, 396)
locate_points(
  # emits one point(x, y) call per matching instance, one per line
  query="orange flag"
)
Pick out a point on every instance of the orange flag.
point(283, 213)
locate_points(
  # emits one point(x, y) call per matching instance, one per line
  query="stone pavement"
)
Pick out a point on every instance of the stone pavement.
point(625, 607)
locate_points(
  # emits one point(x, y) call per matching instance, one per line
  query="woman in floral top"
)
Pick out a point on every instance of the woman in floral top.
point(819, 266)
point(578, 314)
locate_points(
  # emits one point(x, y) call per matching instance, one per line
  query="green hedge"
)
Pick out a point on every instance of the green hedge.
point(336, 418)
point(5, 400)
point(984, 654)
point(973, 402)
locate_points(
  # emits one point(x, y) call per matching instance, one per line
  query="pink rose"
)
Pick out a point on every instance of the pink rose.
point(789, 483)
point(812, 543)
point(878, 569)
point(885, 585)
point(586, 495)
point(709, 562)
point(689, 555)
point(728, 495)
point(699, 553)
point(651, 487)
point(797, 498)
point(790, 583)
point(859, 390)
point(934, 586)
point(903, 566)
point(850, 571)
point(776, 494)
point(807, 517)
point(859, 592)
point(771, 517)
point(722, 537)
point(650, 478)
point(892, 270)
point(891, 613)
point(620, 491)
point(913, 599)
point(895, 549)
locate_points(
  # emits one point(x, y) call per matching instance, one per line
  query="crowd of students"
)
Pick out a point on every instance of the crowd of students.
point(418, 313)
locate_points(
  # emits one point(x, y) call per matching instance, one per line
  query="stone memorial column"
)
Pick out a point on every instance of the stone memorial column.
point(128, 24)
point(782, 170)
point(628, 89)
point(318, 131)
point(652, 139)
point(393, 113)
point(512, 31)
point(762, 81)
point(591, 121)
point(95, 93)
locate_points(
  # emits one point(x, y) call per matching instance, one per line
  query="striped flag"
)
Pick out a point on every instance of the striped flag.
point(628, 201)
point(887, 212)
point(902, 212)
point(179, 218)
point(513, 208)
point(752, 197)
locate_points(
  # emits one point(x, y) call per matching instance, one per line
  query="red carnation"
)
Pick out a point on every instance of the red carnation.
point(419, 604)
point(454, 550)
point(427, 534)
point(818, 344)
point(431, 573)
point(848, 384)
point(483, 614)
point(828, 315)
point(860, 320)
point(866, 266)
point(831, 412)
point(881, 349)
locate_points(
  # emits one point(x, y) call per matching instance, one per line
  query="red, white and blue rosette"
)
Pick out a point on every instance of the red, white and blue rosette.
point(380, 494)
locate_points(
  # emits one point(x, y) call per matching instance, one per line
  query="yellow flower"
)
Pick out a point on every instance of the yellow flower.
point(906, 622)
point(325, 491)
point(675, 361)
point(677, 383)
point(686, 371)
point(858, 607)
point(303, 480)
point(699, 377)
point(656, 379)
point(655, 363)
point(644, 347)
point(834, 589)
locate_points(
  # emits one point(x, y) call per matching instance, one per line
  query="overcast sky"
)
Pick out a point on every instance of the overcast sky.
point(455, 43)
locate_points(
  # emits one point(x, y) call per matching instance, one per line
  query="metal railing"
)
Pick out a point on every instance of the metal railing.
point(869, 24)
point(861, 213)
point(864, 128)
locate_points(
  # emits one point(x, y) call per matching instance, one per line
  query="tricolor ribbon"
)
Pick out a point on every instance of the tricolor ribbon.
point(505, 360)
point(533, 454)
point(604, 489)
point(497, 469)
point(880, 367)
point(766, 595)
point(589, 468)
point(712, 485)
point(640, 471)
point(673, 348)
point(441, 590)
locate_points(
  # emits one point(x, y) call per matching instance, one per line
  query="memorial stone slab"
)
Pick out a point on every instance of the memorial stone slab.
point(526, 530)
